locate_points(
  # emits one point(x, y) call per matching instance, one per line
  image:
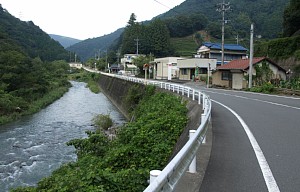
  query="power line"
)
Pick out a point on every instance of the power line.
point(162, 4)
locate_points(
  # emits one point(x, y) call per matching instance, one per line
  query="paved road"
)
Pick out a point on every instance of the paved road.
point(257, 150)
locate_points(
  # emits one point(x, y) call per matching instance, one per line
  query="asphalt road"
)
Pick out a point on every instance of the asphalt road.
point(256, 143)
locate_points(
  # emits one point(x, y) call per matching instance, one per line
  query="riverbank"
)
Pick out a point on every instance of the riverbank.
point(37, 105)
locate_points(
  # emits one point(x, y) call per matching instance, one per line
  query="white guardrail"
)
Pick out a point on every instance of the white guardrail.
point(185, 158)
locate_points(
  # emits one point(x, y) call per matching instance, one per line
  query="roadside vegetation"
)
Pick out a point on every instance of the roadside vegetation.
point(123, 164)
point(264, 83)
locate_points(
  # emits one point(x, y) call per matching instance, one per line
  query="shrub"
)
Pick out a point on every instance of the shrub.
point(103, 121)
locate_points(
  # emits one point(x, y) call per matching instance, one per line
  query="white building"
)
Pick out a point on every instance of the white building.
point(195, 68)
point(76, 65)
point(166, 68)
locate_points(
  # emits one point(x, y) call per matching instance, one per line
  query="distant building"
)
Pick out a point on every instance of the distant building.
point(232, 75)
point(75, 65)
point(166, 68)
point(214, 51)
point(127, 63)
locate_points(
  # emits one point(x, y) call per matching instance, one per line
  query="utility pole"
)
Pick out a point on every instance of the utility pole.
point(137, 46)
point(251, 56)
point(223, 7)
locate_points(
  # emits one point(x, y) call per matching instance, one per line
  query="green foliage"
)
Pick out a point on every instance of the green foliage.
point(90, 78)
point(281, 48)
point(155, 38)
point(291, 18)
point(34, 41)
point(183, 25)
point(103, 121)
point(265, 88)
point(135, 94)
point(293, 83)
point(124, 163)
point(96, 144)
point(263, 74)
point(184, 46)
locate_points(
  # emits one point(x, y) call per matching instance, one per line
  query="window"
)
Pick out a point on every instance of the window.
point(226, 75)
point(202, 70)
point(184, 72)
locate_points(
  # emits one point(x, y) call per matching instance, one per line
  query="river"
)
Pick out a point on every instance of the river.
point(34, 146)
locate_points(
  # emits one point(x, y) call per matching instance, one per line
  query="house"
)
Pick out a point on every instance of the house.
point(195, 68)
point(166, 68)
point(127, 63)
point(232, 75)
point(214, 50)
point(75, 65)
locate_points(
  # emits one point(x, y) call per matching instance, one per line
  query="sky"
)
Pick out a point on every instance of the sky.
point(83, 19)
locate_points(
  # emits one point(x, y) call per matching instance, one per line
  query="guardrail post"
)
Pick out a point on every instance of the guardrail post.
point(161, 85)
point(188, 94)
point(192, 167)
point(202, 120)
point(173, 88)
point(154, 174)
point(199, 97)
point(182, 90)
point(178, 89)
point(193, 94)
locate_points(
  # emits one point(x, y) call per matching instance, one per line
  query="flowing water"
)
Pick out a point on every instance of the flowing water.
point(34, 146)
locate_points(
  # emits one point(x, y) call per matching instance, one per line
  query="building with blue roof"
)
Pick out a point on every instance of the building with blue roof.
point(214, 51)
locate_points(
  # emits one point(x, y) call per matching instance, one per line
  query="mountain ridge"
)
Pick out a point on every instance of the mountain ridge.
point(65, 41)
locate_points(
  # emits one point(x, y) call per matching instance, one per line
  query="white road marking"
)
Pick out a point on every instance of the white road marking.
point(269, 102)
point(264, 166)
point(255, 93)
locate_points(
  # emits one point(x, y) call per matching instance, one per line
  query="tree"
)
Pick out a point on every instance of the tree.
point(159, 38)
point(291, 18)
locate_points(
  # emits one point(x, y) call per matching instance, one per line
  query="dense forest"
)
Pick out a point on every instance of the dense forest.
point(31, 67)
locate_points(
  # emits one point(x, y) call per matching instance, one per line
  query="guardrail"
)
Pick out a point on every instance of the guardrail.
point(185, 158)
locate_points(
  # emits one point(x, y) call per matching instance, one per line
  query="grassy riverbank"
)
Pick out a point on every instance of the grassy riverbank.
point(36, 105)
point(90, 78)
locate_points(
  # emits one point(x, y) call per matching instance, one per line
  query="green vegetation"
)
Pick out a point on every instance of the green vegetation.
point(291, 19)
point(31, 76)
point(281, 48)
point(155, 38)
point(103, 121)
point(26, 85)
point(90, 78)
point(123, 164)
point(33, 41)
point(185, 46)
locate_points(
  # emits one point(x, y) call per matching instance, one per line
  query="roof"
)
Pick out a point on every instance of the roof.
point(231, 47)
point(243, 64)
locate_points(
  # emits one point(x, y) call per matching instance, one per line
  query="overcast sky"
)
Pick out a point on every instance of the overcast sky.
point(83, 19)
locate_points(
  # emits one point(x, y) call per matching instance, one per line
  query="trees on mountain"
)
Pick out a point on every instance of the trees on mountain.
point(291, 18)
point(145, 39)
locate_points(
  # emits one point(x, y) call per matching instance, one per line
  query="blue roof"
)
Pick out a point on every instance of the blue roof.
point(232, 47)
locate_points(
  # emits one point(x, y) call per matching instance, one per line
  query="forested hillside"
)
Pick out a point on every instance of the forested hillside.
point(195, 15)
point(267, 16)
point(34, 41)
point(88, 48)
point(28, 70)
